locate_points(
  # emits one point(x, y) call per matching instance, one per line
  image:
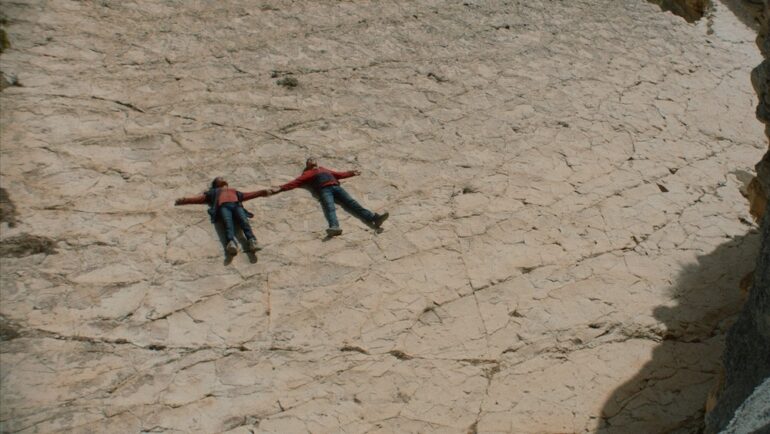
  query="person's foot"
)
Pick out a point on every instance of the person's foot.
point(232, 248)
point(333, 232)
point(251, 246)
point(379, 219)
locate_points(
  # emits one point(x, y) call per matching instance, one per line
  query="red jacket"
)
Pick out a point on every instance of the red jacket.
point(319, 177)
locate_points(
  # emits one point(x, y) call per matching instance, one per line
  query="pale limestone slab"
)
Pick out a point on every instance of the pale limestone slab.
point(565, 240)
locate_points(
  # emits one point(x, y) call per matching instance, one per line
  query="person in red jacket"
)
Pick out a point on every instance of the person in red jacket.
point(226, 203)
point(326, 184)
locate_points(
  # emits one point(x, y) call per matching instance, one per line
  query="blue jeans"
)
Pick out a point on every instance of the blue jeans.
point(234, 212)
point(327, 196)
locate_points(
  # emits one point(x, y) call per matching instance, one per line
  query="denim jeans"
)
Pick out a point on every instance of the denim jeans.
point(327, 196)
point(234, 212)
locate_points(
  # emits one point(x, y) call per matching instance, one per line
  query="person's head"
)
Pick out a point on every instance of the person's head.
point(310, 163)
point(218, 182)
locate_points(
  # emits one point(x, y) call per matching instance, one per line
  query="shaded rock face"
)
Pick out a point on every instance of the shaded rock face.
point(754, 413)
point(747, 353)
point(745, 393)
point(691, 10)
point(565, 240)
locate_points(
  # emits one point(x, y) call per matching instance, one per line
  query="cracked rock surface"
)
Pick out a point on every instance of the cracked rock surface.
point(566, 234)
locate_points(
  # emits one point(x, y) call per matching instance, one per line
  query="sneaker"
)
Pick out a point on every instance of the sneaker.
point(251, 246)
point(379, 219)
point(232, 248)
point(333, 232)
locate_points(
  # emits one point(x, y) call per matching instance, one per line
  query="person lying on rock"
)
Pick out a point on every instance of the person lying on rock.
point(226, 203)
point(326, 184)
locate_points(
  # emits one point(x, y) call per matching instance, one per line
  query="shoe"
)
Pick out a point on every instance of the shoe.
point(379, 219)
point(333, 232)
point(232, 248)
point(251, 246)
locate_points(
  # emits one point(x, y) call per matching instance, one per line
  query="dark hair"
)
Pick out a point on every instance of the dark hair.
point(214, 182)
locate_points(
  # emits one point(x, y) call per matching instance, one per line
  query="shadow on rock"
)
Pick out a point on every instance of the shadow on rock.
point(669, 392)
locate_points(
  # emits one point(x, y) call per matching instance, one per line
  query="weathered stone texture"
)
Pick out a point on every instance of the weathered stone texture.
point(567, 231)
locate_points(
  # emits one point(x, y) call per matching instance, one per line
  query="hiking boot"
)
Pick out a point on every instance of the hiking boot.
point(251, 246)
point(333, 232)
point(232, 248)
point(379, 219)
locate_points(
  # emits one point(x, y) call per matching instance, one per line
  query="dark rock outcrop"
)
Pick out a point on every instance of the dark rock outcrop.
point(7, 209)
point(26, 245)
point(747, 349)
point(691, 10)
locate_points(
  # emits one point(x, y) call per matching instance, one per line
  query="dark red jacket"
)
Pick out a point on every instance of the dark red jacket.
point(318, 178)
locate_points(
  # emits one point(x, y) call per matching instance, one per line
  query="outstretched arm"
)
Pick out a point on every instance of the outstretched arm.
point(298, 182)
point(254, 194)
point(192, 200)
point(343, 175)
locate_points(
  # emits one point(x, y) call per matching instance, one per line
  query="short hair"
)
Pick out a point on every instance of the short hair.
point(214, 182)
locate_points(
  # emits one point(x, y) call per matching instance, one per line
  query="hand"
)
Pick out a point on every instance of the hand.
point(273, 190)
point(177, 202)
point(356, 172)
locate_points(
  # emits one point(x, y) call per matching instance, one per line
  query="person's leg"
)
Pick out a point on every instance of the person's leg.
point(226, 214)
point(326, 196)
point(242, 219)
point(354, 207)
